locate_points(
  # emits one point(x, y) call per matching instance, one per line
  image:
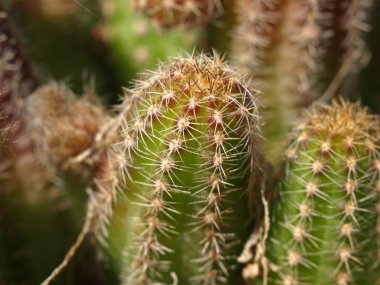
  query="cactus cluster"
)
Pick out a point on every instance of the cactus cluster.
point(290, 46)
point(173, 185)
point(189, 142)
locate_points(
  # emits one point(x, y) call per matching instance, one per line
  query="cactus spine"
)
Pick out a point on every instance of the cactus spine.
point(188, 146)
point(325, 224)
point(279, 42)
point(285, 45)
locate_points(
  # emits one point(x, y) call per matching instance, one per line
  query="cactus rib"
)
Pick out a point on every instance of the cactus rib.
point(189, 145)
point(280, 42)
point(324, 224)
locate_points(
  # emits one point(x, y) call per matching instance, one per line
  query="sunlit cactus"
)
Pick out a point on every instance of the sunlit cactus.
point(325, 224)
point(188, 145)
point(180, 12)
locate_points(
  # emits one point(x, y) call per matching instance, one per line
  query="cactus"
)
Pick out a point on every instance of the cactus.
point(285, 45)
point(134, 44)
point(171, 178)
point(325, 224)
point(282, 50)
point(179, 12)
point(188, 141)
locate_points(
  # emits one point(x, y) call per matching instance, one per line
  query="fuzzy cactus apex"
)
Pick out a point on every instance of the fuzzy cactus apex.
point(189, 150)
point(168, 13)
point(325, 226)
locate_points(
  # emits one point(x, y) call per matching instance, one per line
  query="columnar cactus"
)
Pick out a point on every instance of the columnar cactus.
point(188, 143)
point(285, 44)
point(279, 42)
point(325, 225)
point(180, 12)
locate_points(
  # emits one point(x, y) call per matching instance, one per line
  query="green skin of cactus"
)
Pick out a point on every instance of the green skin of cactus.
point(321, 260)
point(136, 45)
point(188, 218)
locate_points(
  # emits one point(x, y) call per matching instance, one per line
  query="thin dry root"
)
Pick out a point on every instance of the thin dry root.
point(255, 249)
point(73, 249)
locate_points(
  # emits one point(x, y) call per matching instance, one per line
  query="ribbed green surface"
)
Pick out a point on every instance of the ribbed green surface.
point(182, 213)
point(323, 229)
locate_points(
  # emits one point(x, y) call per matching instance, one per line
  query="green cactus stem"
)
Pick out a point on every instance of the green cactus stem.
point(291, 47)
point(188, 145)
point(325, 223)
point(179, 12)
point(279, 42)
point(135, 44)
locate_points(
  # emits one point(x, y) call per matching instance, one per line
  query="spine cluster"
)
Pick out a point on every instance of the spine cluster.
point(180, 12)
point(280, 43)
point(188, 145)
point(325, 223)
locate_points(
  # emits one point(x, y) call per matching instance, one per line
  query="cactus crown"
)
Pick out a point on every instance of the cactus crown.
point(326, 215)
point(187, 144)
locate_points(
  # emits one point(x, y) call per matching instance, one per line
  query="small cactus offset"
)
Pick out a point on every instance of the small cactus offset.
point(188, 142)
point(325, 223)
point(180, 12)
